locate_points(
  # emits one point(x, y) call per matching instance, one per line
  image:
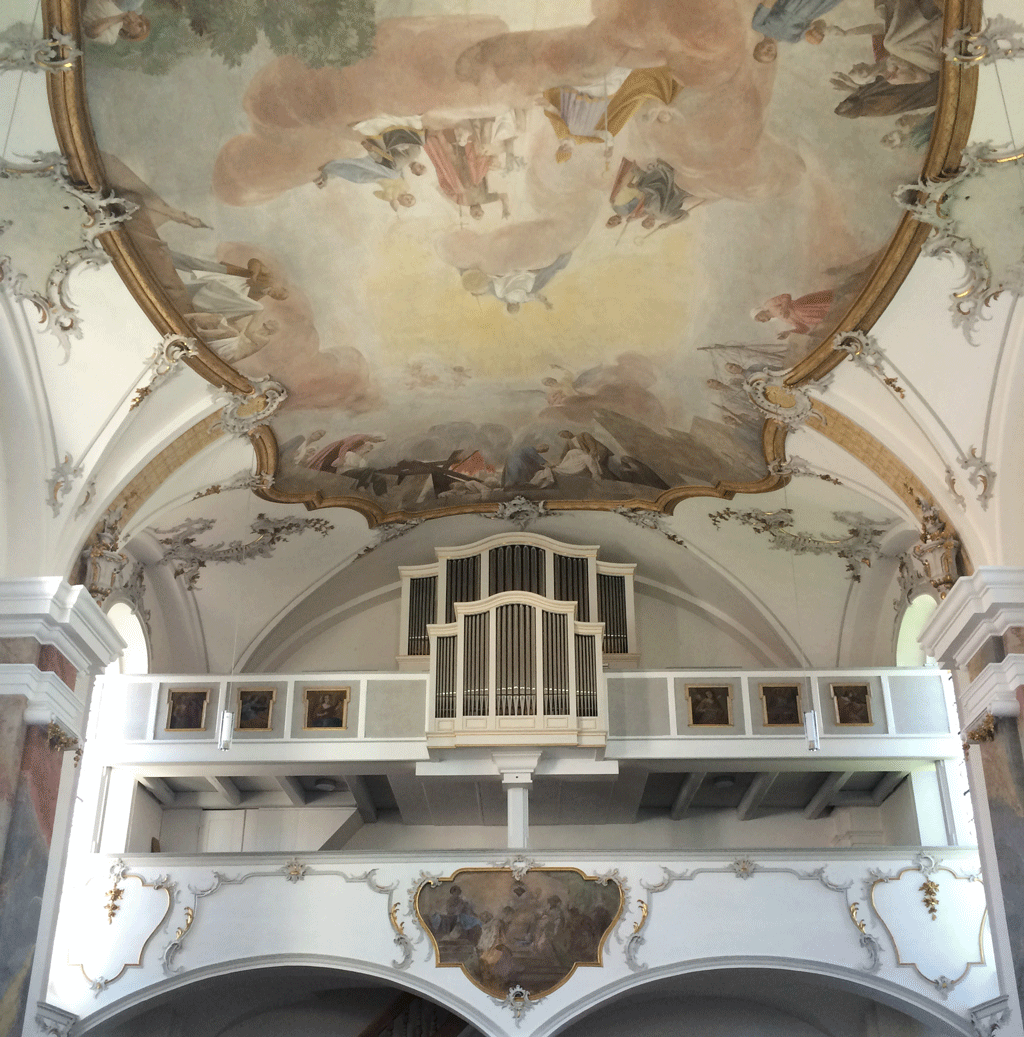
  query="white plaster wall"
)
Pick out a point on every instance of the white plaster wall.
point(671, 636)
point(702, 830)
point(144, 825)
point(365, 639)
point(257, 830)
point(335, 913)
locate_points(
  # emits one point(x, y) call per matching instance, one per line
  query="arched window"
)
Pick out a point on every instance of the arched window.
point(915, 619)
point(135, 658)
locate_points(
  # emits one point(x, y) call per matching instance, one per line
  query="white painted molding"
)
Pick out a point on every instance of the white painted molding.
point(55, 613)
point(977, 607)
point(49, 698)
point(993, 691)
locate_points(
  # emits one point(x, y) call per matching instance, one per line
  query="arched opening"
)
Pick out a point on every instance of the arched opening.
point(135, 657)
point(287, 1001)
point(761, 1001)
point(915, 618)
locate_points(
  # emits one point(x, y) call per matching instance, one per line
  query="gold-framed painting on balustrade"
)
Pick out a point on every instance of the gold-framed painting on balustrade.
point(186, 709)
point(255, 709)
point(709, 705)
point(523, 929)
point(852, 704)
point(325, 709)
point(780, 705)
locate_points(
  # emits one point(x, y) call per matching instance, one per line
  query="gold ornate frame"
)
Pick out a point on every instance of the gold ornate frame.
point(958, 86)
point(796, 686)
point(728, 705)
point(268, 690)
point(344, 690)
point(870, 722)
point(171, 692)
point(421, 921)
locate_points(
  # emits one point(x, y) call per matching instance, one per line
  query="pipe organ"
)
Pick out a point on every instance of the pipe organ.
point(602, 591)
point(516, 632)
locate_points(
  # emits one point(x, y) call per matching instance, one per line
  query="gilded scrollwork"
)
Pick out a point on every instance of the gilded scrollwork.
point(960, 231)
point(23, 52)
point(116, 902)
point(927, 866)
point(243, 414)
point(999, 38)
point(294, 871)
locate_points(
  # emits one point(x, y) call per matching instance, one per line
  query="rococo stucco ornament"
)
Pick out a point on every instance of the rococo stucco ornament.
point(521, 511)
point(998, 38)
point(243, 414)
point(188, 557)
point(240, 481)
point(48, 239)
point(163, 362)
point(787, 404)
point(938, 550)
point(104, 561)
point(794, 466)
point(865, 352)
point(62, 478)
point(23, 52)
point(974, 226)
point(858, 548)
point(656, 521)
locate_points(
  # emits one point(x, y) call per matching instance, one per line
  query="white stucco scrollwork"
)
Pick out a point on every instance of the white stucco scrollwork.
point(39, 255)
point(267, 393)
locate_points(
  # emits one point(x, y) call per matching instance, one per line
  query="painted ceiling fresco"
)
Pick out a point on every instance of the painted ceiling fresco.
point(505, 248)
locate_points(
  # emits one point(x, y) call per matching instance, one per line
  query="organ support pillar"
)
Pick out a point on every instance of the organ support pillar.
point(516, 769)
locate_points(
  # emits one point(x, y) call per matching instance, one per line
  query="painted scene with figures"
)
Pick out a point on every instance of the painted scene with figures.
point(537, 254)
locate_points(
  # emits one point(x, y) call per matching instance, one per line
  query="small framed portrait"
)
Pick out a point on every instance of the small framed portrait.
point(780, 705)
point(325, 708)
point(852, 704)
point(255, 709)
point(186, 709)
point(710, 705)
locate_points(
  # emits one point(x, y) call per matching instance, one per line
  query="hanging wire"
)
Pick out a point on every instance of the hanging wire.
point(17, 90)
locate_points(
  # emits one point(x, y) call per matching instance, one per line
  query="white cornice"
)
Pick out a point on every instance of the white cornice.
point(53, 612)
point(977, 607)
point(49, 698)
point(994, 691)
